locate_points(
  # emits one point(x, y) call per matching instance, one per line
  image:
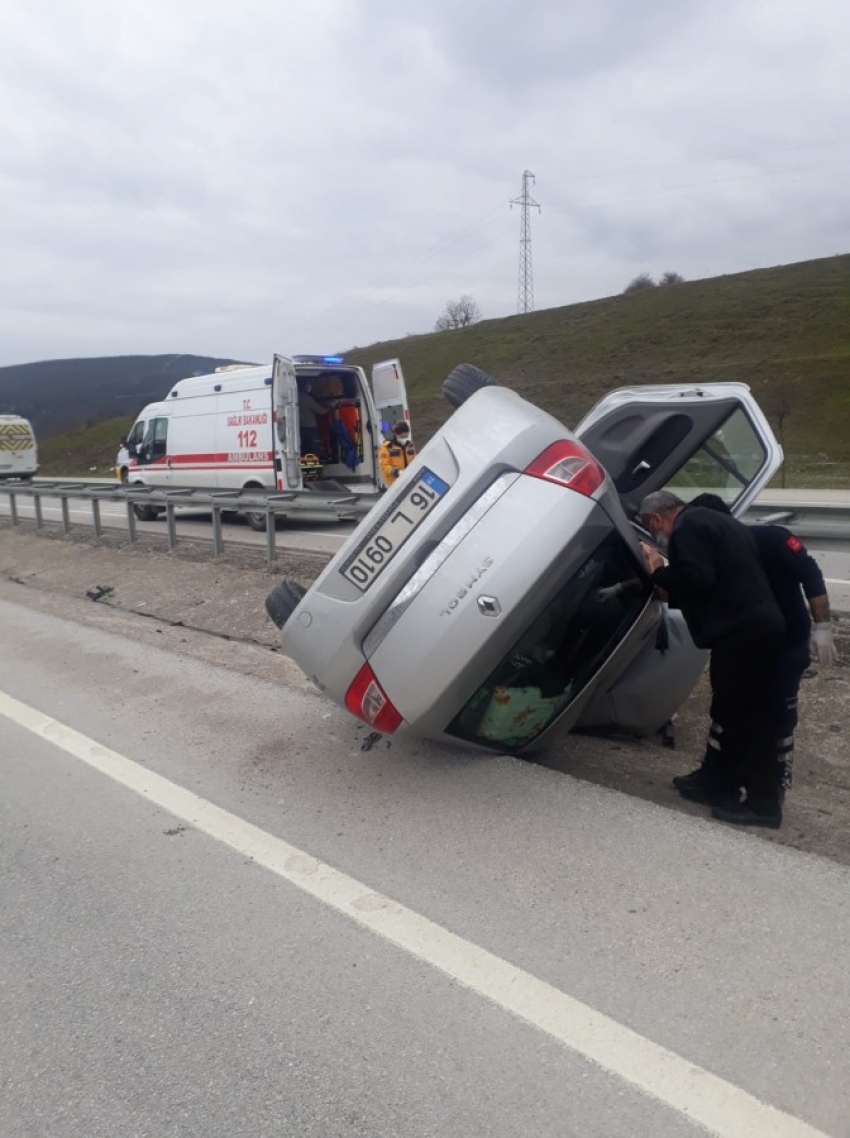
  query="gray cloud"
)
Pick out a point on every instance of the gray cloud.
point(234, 181)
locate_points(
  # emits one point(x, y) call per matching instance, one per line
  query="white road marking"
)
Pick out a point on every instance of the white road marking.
point(703, 1098)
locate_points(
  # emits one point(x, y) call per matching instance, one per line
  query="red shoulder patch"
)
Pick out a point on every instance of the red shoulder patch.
point(794, 544)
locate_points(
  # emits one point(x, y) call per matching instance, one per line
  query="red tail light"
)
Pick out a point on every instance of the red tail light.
point(567, 464)
point(368, 701)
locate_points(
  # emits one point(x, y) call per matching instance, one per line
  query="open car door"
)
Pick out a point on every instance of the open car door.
point(689, 439)
point(390, 395)
point(287, 436)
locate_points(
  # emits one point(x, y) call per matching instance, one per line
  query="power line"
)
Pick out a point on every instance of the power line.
point(525, 295)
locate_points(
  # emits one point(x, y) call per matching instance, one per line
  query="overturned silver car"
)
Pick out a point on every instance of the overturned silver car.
point(496, 595)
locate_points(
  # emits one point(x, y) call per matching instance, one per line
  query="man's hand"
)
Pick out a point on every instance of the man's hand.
point(652, 557)
point(823, 644)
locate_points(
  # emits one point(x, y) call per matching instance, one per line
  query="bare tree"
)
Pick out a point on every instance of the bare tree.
point(641, 282)
point(458, 314)
point(671, 278)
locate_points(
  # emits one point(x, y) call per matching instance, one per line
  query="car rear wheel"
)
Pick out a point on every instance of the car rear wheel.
point(283, 600)
point(464, 381)
point(146, 513)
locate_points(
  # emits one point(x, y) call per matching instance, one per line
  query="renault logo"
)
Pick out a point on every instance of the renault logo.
point(489, 606)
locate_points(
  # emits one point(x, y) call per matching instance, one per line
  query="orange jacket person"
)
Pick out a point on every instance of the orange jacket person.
point(397, 453)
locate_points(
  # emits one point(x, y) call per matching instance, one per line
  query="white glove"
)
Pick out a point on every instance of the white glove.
point(603, 595)
point(823, 645)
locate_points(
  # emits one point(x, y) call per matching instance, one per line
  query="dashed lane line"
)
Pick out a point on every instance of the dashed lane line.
point(703, 1098)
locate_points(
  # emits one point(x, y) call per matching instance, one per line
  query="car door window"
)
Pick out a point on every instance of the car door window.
point(725, 464)
point(560, 652)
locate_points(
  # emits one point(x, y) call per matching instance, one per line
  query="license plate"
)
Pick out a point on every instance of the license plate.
point(393, 529)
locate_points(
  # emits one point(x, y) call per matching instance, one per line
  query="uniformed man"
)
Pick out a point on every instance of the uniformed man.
point(310, 410)
point(793, 575)
point(396, 453)
point(715, 577)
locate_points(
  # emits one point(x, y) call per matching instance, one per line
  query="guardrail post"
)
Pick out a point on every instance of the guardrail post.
point(218, 544)
point(13, 507)
point(270, 535)
point(95, 512)
point(66, 516)
point(39, 520)
point(131, 520)
point(172, 527)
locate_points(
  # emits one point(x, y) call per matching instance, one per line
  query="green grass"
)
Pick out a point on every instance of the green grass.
point(784, 331)
point(76, 452)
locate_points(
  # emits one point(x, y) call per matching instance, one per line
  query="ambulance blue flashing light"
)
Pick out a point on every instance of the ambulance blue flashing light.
point(318, 359)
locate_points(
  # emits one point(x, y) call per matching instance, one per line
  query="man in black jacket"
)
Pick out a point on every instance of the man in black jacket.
point(715, 577)
point(793, 574)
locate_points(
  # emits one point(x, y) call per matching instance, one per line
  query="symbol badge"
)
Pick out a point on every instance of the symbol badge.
point(489, 606)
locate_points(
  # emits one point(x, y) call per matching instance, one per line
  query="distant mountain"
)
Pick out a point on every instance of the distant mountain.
point(56, 395)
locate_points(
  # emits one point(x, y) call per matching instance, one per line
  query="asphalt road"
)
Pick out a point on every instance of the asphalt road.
point(223, 917)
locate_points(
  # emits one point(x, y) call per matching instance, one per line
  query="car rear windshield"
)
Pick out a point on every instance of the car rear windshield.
point(560, 652)
point(725, 464)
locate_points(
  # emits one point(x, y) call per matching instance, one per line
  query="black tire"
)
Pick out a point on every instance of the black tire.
point(283, 600)
point(464, 381)
point(146, 513)
point(256, 519)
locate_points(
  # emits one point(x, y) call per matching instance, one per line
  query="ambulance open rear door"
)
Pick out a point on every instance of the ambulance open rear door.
point(390, 395)
point(287, 433)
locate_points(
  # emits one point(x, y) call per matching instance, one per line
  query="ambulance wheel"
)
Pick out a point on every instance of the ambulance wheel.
point(464, 381)
point(283, 600)
point(146, 513)
point(256, 519)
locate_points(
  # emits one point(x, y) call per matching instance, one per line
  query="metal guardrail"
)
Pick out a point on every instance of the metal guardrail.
point(809, 521)
point(274, 505)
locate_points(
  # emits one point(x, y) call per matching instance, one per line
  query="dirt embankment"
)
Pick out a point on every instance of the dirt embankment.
point(188, 602)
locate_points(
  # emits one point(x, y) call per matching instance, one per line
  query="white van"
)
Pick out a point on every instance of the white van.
point(308, 419)
point(18, 450)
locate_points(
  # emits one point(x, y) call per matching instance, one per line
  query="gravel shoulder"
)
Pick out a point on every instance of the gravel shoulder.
point(213, 609)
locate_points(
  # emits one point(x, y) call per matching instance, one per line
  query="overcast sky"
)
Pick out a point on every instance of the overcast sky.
point(235, 179)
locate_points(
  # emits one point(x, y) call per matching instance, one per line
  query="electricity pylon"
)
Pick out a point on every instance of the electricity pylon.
point(525, 294)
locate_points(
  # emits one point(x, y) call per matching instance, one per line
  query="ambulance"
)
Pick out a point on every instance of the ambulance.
point(303, 423)
point(18, 450)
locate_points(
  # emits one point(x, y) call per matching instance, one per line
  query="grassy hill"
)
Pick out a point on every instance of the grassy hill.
point(785, 331)
point(88, 450)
